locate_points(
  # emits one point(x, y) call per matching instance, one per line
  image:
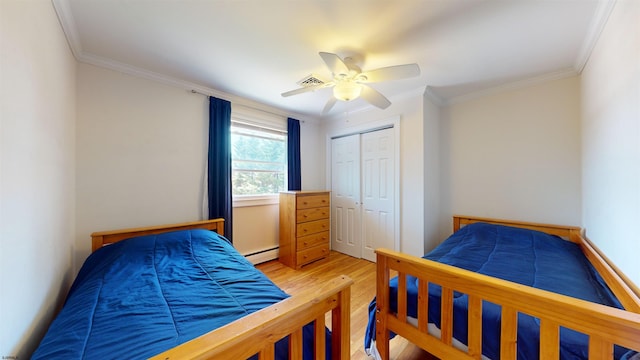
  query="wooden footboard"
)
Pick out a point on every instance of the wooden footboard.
point(605, 326)
point(257, 333)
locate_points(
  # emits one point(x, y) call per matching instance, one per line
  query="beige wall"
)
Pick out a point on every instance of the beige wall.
point(255, 228)
point(141, 153)
point(611, 139)
point(515, 154)
point(37, 172)
point(142, 149)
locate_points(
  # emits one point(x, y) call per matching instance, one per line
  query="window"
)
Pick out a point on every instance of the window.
point(259, 160)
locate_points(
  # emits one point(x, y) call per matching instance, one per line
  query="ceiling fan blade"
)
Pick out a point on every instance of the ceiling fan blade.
point(332, 101)
point(391, 73)
point(374, 97)
point(306, 89)
point(334, 63)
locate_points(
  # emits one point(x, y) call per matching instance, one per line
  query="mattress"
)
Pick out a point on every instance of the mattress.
point(142, 296)
point(523, 256)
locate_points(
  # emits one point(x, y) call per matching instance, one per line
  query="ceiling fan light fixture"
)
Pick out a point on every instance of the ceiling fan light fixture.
point(349, 82)
point(347, 90)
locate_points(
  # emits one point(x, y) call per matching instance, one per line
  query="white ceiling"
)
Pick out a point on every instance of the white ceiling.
point(257, 49)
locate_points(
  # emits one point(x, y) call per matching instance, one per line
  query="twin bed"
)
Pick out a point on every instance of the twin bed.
point(505, 290)
point(183, 292)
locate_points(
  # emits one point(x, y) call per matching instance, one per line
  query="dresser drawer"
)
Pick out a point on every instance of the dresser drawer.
point(312, 227)
point(312, 201)
point(312, 214)
point(305, 224)
point(312, 254)
point(306, 242)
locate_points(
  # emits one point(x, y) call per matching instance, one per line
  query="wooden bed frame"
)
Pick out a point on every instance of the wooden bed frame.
point(258, 332)
point(102, 238)
point(605, 325)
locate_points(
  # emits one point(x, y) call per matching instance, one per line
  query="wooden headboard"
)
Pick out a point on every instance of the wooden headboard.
point(101, 238)
point(571, 233)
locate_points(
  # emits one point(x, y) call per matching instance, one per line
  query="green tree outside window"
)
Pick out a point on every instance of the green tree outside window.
point(259, 160)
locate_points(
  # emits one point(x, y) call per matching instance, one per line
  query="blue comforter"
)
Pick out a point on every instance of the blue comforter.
point(523, 256)
point(142, 296)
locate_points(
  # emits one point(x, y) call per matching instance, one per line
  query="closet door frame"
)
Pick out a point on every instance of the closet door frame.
point(393, 122)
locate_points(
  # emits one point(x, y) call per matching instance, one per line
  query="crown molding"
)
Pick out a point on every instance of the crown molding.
point(602, 13)
point(68, 24)
point(436, 99)
point(65, 17)
point(604, 9)
point(69, 28)
point(562, 74)
point(186, 85)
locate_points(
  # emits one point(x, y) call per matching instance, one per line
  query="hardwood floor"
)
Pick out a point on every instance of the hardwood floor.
point(363, 273)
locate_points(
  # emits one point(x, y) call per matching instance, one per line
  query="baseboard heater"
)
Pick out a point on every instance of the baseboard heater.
point(263, 255)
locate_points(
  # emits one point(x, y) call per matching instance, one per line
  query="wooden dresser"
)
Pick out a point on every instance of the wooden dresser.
point(304, 227)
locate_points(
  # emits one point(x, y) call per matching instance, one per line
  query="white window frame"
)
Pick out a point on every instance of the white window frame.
point(243, 115)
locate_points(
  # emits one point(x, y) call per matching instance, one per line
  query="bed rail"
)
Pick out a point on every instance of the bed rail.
point(605, 325)
point(257, 333)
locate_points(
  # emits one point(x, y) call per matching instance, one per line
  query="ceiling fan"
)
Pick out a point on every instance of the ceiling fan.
point(349, 81)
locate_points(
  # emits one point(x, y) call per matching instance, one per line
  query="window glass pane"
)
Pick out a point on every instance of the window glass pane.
point(259, 160)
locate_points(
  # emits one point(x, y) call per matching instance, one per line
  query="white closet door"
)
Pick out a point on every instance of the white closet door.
point(345, 195)
point(378, 191)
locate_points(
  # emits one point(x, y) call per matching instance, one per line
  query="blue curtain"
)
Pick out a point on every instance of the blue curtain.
point(219, 163)
point(294, 178)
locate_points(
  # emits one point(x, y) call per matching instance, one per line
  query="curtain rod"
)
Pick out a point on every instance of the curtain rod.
point(194, 91)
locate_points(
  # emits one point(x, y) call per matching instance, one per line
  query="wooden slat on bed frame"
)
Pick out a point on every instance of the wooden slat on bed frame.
point(605, 325)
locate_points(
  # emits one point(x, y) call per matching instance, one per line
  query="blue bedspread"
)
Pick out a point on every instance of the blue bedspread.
point(523, 256)
point(142, 296)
